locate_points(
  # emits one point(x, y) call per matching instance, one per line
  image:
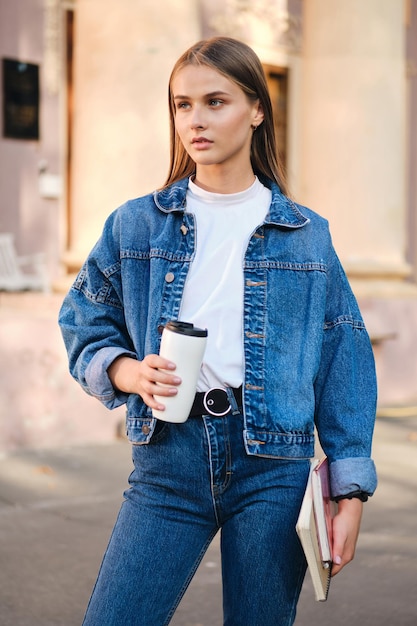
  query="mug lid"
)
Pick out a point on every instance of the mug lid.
point(186, 328)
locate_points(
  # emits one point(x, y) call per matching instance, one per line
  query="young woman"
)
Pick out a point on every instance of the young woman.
point(222, 245)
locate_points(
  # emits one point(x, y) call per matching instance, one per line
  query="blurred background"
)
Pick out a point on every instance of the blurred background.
point(84, 112)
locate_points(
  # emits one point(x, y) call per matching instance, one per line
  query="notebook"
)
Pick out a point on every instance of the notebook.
point(314, 527)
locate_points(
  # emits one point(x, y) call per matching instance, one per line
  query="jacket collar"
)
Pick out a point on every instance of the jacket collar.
point(283, 211)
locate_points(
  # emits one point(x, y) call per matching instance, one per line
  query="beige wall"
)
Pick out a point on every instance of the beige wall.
point(124, 54)
point(411, 72)
point(352, 152)
point(41, 406)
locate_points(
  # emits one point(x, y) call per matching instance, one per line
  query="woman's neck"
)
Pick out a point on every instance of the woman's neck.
point(220, 181)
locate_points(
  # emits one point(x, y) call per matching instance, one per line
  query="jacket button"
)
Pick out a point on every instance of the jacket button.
point(145, 429)
point(169, 277)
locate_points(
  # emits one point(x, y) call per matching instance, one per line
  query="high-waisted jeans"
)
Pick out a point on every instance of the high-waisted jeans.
point(190, 481)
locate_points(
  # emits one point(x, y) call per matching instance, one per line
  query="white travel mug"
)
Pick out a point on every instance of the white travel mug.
point(183, 344)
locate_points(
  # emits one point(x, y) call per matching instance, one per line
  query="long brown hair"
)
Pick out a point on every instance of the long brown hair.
point(239, 63)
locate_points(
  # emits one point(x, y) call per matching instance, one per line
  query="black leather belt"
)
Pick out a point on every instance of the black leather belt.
point(214, 402)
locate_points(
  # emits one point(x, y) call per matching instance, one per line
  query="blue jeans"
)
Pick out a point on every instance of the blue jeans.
point(191, 480)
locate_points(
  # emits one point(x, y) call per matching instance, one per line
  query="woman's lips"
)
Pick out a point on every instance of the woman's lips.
point(201, 142)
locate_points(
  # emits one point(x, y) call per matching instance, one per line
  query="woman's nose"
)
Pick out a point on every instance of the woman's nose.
point(197, 120)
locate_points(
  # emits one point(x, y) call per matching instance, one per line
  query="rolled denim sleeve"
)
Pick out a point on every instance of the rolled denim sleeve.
point(354, 474)
point(346, 390)
point(98, 381)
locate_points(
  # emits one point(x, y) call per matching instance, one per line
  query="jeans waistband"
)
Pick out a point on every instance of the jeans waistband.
point(215, 402)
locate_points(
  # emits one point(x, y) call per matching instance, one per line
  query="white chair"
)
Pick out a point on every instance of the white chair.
point(12, 278)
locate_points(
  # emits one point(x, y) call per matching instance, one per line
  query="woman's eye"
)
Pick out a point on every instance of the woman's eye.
point(182, 105)
point(215, 102)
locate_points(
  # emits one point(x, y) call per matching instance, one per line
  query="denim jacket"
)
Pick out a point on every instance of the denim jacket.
point(308, 358)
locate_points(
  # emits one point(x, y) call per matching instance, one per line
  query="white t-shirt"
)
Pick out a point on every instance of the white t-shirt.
point(213, 293)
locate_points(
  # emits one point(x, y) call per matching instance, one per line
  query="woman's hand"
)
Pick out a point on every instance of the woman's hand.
point(346, 525)
point(145, 378)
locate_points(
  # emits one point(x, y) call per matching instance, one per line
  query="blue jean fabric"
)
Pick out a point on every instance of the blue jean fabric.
point(191, 480)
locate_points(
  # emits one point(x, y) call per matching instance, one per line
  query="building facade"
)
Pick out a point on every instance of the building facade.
point(85, 127)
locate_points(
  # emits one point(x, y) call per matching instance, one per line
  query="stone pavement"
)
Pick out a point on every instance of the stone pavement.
point(57, 509)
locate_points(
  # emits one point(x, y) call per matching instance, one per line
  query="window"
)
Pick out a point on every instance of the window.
point(277, 79)
point(20, 100)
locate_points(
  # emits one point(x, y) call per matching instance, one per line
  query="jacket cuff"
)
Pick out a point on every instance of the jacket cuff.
point(98, 382)
point(352, 475)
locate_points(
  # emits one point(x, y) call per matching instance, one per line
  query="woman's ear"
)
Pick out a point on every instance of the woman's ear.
point(258, 115)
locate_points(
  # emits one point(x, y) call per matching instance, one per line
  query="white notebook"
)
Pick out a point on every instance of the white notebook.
point(314, 527)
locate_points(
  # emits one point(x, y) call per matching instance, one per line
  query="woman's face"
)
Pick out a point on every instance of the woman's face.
point(213, 118)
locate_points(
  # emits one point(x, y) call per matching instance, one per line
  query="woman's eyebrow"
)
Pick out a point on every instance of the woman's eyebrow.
point(212, 94)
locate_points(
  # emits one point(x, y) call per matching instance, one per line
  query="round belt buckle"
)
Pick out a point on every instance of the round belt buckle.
point(216, 398)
